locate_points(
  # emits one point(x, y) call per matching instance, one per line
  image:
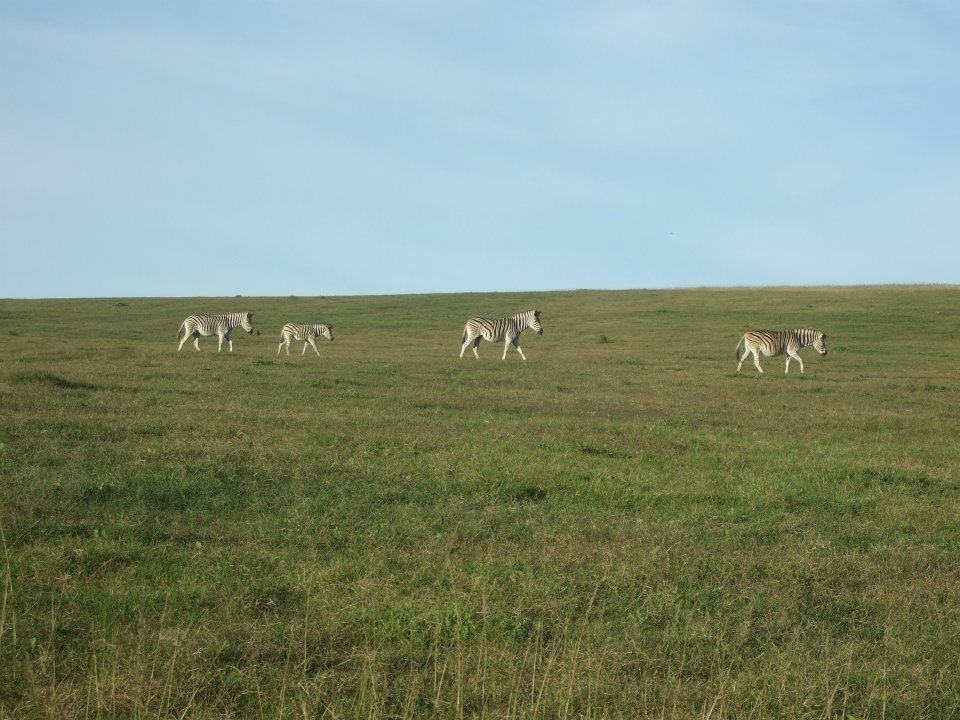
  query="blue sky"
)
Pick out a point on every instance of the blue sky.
point(217, 148)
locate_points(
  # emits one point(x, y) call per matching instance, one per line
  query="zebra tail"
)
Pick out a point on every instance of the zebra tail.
point(464, 338)
point(736, 353)
point(181, 329)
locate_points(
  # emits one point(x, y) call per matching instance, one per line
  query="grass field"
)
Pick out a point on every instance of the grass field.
point(621, 527)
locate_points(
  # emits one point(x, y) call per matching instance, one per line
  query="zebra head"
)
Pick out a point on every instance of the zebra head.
point(247, 322)
point(327, 332)
point(820, 343)
point(535, 322)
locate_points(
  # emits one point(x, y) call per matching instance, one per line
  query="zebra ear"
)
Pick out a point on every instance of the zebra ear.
point(537, 313)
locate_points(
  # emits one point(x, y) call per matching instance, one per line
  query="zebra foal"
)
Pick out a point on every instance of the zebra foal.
point(507, 329)
point(778, 342)
point(197, 326)
point(306, 333)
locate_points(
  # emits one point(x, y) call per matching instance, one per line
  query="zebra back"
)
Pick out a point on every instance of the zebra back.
point(775, 342)
point(302, 332)
point(208, 324)
point(496, 328)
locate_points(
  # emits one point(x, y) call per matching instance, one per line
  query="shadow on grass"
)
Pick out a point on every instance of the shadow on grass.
point(602, 451)
point(37, 377)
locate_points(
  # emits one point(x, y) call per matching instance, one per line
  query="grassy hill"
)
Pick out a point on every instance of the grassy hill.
point(620, 527)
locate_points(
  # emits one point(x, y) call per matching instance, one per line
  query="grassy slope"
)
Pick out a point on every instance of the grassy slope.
point(612, 529)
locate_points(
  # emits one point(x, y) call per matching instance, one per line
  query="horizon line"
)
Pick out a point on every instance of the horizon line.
point(827, 286)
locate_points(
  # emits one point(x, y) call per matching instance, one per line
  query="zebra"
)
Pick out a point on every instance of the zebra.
point(777, 342)
point(306, 333)
point(197, 326)
point(507, 329)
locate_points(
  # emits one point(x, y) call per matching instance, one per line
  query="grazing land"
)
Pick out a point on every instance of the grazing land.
point(620, 527)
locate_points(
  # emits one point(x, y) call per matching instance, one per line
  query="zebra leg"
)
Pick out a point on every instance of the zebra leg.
point(186, 336)
point(746, 354)
point(468, 341)
point(793, 356)
point(220, 343)
point(506, 345)
point(196, 342)
point(792, 350)
point(476, 344)
point(313, 344)
point(756, 360)
point(303, 352)
point(516, 344)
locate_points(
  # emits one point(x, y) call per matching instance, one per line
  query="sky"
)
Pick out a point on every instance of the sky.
point(364, 147)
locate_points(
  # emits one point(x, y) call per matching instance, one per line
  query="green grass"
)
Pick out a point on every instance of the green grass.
point(621, 527)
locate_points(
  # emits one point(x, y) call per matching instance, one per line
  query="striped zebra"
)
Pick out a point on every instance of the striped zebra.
point(307, 333)
point(777, 342)
point(507, 329)
point(197, 326)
